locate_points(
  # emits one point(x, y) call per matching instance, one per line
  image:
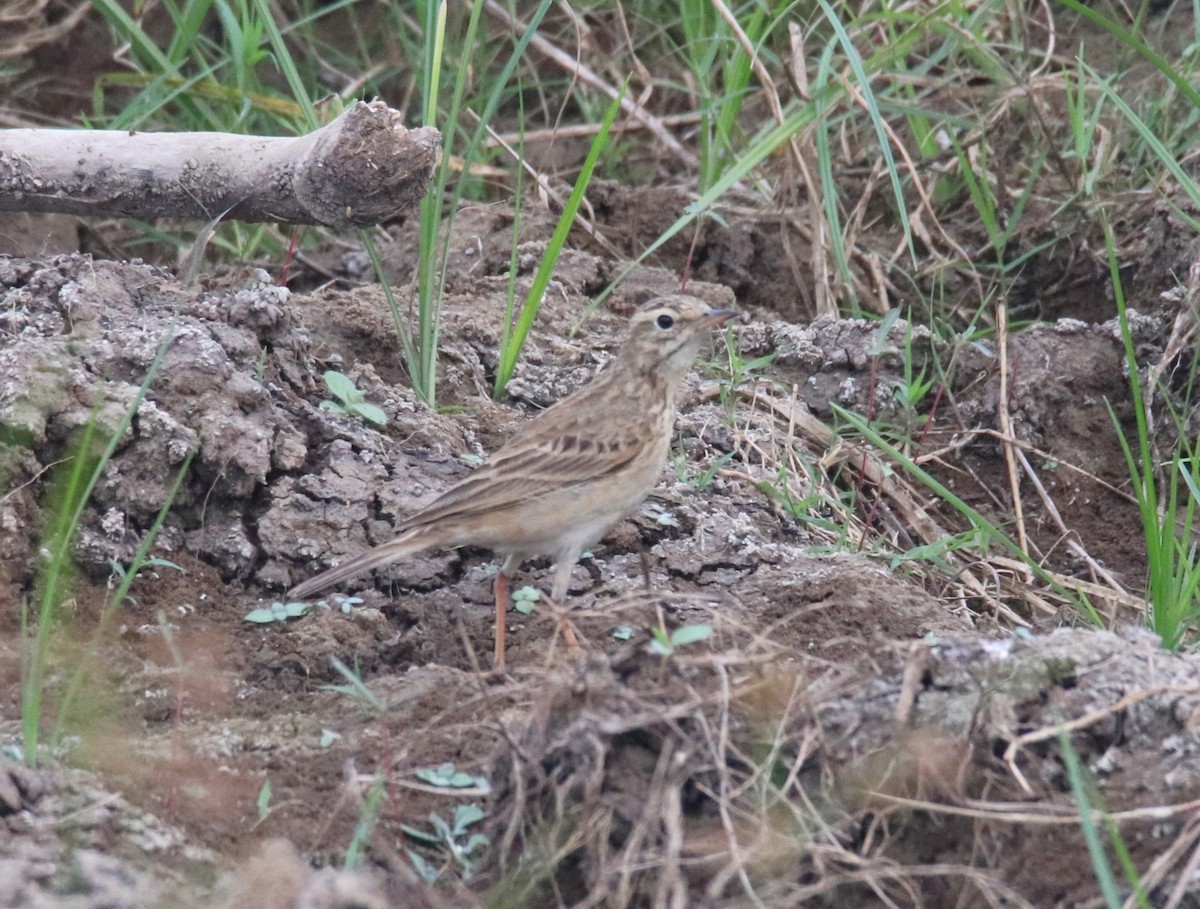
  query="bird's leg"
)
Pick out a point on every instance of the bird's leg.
point(500, 589)
point(562, 582)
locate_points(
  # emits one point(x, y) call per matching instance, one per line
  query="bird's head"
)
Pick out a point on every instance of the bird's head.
point(668, 331)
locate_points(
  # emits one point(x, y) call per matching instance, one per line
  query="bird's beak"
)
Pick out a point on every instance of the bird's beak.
point(719, 316)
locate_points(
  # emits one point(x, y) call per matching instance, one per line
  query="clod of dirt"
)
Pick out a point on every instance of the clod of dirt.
point(82, 337)
point(57, 830)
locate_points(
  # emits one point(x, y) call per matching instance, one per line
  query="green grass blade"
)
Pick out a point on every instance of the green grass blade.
point(986, 530)
point(1168, 160)
point(80, 673)
point(53, 580)
point(1091, 833)
point(1134, 43)
point(67, 523)
point(745, 163)
point(286, 64)
point(830, 189)
point(434, 247)
point(512, 350)
point(868, 94)
point(128, 28)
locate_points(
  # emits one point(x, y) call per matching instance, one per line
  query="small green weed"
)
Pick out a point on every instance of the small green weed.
point(367, 818)
point(277, 612)
point(665, 643)
point(697, 481)
point(454, 837)
point(294, 609)
point(524, 598)
point(263, 803)
point(355, 688)
point(1170, 508)
point(780, 491)
point(740, 372)
point(350, 400)
point(328, 737)
point(451, 777)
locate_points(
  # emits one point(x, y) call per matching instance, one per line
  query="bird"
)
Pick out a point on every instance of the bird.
point(569, 473)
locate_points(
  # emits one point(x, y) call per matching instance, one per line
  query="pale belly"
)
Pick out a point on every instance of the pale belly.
point(560, 522)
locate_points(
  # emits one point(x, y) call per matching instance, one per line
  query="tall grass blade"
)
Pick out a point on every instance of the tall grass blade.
point(746, 162)
point(984, 528)
point(1173, 574)
point(533, 300)
point(1134, 43)
point(434, 242)
point(885, 146)
point(1164, 155)
point(286, 64)
point(55, 575)
point(65, 504)
point(81, 672)
point(1091, 833)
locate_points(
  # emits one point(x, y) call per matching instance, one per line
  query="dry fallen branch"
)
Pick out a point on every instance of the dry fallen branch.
point(361, 169)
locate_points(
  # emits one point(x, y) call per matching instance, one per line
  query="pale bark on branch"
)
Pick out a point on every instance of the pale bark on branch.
point(359, 170)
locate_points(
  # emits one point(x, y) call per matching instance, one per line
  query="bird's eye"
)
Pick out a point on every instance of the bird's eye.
point(664, 321)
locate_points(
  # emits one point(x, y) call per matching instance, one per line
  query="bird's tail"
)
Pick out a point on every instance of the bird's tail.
point(404, 545)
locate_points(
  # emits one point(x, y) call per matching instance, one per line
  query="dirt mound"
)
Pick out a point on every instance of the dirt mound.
point(840, 736)
point(730, 777)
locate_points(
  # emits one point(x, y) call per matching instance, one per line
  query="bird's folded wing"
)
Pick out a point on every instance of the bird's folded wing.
point(521, 472)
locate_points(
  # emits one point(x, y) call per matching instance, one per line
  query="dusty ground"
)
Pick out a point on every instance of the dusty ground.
point(849, 734)
point(873, 721)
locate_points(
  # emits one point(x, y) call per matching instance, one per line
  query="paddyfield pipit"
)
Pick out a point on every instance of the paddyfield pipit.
point(569, 473)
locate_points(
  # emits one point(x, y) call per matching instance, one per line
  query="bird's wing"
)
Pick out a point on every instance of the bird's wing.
point(529, 467)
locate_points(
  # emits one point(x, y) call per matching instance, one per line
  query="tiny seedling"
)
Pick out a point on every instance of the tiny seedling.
point(277, 612)
point(453, 836)
point(260, 367)
point(665, 643)
point(451, 777)
point(343, 603)
point(913, 389)
point(355, 688)
point(372, 804)
point(328, 737)
point(524, 599)
point(804, 510)
point(264, 800)
point(424, 870)
point(281, 612)
point(741, 372)
point(350, 400)
point(622, 633)
point(120, 573)
point(662, 517)
point(703, 480)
